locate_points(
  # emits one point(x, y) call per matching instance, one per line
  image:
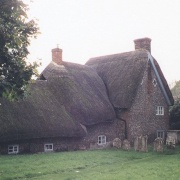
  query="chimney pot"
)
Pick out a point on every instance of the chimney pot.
point(57, 55)
point(143, 43)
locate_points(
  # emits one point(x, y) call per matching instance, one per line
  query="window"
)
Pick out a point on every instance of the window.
point(101, 139)
point(154, 82)
point(159, 110)
point(13, 149)
point(48, 147)
point(161, 134)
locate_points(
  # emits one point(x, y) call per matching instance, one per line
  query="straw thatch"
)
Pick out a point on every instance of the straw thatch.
point(70, 95)
point(63, 98)
point(82, 91)
point(122, 74)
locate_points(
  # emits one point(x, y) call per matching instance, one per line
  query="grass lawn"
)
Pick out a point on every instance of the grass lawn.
point(92, 165)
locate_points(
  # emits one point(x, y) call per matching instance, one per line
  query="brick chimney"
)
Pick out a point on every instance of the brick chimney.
point(143, 43)
point(57, 55)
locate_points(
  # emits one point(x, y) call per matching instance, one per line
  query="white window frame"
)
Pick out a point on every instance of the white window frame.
point(48, 147)
point(13, 149)
point(160, 110)
point(160, 134)
point(101, 139)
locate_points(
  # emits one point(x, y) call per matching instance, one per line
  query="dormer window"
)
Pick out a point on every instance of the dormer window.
point(154, 82)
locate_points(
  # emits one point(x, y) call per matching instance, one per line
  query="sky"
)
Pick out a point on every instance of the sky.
point(90, 28)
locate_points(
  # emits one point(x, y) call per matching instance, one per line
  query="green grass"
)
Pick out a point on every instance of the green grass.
point(92, 165)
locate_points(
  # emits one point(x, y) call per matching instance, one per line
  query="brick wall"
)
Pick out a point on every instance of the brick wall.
point(37, 145)
point(141, 118)
point(110, 130)
point(57, 56)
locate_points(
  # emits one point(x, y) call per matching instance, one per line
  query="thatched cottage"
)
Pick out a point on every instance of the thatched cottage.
point(74, 106)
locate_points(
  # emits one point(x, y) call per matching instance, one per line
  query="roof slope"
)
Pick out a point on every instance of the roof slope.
point(71, 95)
point(81, 91)
point(121, 74)
point(40, 115)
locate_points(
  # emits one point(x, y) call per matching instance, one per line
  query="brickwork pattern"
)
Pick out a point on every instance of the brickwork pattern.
point(141, 118)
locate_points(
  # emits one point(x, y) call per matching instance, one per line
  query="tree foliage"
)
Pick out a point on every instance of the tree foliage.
point(176, 89)
point(16, 31)
point(175, 109)
point(175, 115)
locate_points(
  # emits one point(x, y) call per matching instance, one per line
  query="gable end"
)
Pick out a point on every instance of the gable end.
point(163, 89)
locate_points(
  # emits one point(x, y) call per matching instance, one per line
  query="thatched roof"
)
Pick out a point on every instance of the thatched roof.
point(68, 95)
point(122, 74)
point(40, 115)
point(83, 92)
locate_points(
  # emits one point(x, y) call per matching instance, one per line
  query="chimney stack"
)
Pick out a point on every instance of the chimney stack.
point(57, 55)
point(143, 43)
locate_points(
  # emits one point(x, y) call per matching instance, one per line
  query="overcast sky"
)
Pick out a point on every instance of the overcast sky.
point(89, 28)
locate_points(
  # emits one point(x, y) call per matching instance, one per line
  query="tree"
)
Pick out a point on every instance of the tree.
point(176, 89)
point(175, 109)
point(175, 115)
point(16, 31)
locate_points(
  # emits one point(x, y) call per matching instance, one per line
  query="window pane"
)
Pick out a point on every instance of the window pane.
point(10, 147)
point(102, 139)
point(50, 147)
point(99, 139)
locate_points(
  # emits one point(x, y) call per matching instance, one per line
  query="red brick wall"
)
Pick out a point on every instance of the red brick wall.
point(143, 43)
point(57, 56)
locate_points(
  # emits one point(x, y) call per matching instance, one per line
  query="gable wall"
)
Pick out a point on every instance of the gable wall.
point(141, 118)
